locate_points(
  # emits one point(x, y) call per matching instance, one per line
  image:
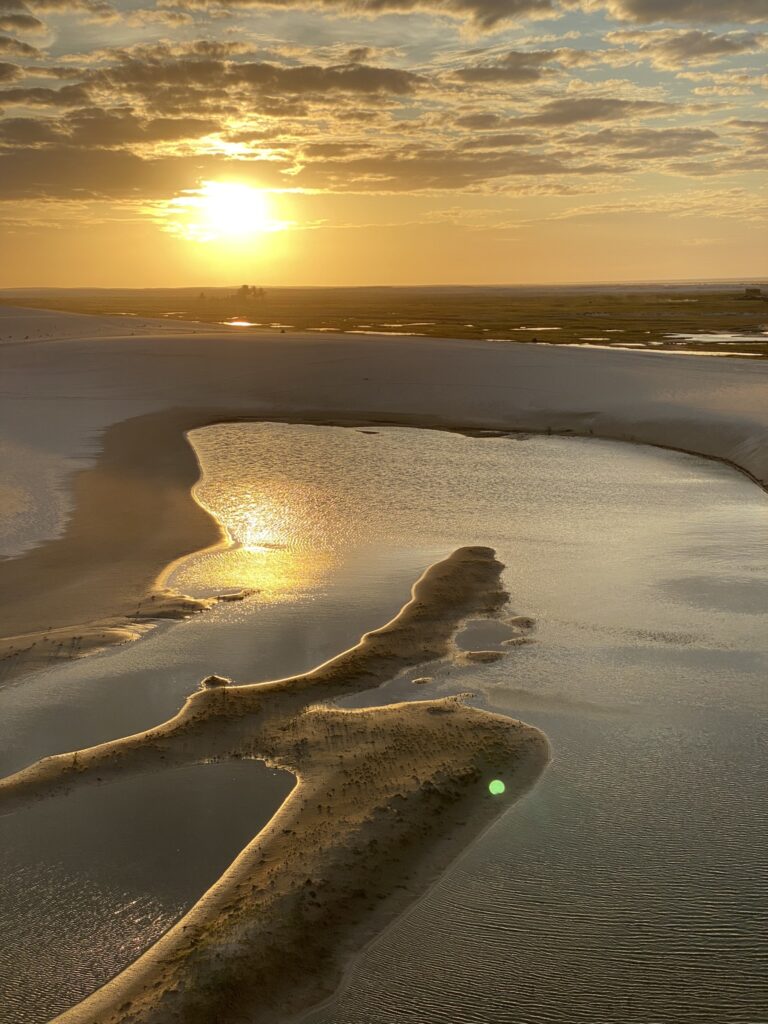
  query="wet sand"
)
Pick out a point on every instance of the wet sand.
point(385, 799)
point(134, 514)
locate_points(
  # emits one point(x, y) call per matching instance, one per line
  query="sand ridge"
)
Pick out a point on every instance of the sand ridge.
point(385, 798)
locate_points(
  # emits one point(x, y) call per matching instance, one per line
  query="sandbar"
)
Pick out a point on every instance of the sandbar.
point(385, 798)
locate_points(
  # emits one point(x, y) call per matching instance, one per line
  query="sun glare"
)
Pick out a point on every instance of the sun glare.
point(220, 211)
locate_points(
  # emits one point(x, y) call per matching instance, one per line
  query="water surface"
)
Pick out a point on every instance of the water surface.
point(90, 879)
point(629, 885)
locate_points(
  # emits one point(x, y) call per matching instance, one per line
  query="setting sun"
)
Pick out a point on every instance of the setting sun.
point(222, 211)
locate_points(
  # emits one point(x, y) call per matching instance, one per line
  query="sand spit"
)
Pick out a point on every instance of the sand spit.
point(134, 516)
point(27, 651)
point(385, 798)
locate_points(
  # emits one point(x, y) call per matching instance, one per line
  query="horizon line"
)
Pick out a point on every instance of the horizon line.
point(637, 282)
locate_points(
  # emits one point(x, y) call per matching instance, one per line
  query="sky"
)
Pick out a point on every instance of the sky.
point(150, 143)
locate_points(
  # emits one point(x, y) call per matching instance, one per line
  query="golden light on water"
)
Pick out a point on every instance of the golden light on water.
point(275, 574)
point(279, 544)
point(263, 526)
point(222, 211)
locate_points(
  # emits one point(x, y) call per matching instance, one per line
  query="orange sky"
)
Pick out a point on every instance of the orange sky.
point(402, 142)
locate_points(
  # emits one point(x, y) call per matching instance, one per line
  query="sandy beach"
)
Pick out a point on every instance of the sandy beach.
point(402, 781)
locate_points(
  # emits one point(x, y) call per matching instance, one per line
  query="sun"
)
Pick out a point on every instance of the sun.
point(223, 211)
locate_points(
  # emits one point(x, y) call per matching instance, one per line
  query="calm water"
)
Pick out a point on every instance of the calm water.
point(89, 880)
point(631, 884)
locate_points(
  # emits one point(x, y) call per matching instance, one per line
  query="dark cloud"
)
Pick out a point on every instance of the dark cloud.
point(567, 111)
point(96, 9)
point(34, 173)
point(15, 48)
point(27, 131)
point(485, 13)
point(425, 169)
point(96, 127)
point(69, 96)
point(652, 143)
point(692, 11)
point(15, 16)
point(500, 140)
point(672, 48)
point(145, 76)
point(754, 132)
point(9, 72)
point(481, 121)
point(10, 22)
point(516, 66)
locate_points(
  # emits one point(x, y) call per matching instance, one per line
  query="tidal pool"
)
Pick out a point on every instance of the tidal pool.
point(627, 885)
point(90, 879)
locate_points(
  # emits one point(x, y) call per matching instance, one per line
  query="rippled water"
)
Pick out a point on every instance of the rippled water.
point(89, 880)
point(630, 884)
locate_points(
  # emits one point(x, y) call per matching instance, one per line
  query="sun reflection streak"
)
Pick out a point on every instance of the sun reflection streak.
point(279, 543)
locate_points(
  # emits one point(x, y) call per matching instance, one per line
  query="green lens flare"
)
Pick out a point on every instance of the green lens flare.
point(496, 787)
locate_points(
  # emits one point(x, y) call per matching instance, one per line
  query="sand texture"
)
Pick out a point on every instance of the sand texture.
point(385, 798)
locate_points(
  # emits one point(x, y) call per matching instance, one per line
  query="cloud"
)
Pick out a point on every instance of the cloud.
point(145, 76)
point(15, 22)
point(693, 11)
point(482, 121)
point(672, 49)
point(15, 48)
point(26, 131)
point(9, 72)
point(97, 10)
point(99, 128)
point(500, 140)
point(516, 66)
point(563, 112)
point(69, 96)
point(482, 13)
point(62, 173)
point(413, 169)
point(652, 143)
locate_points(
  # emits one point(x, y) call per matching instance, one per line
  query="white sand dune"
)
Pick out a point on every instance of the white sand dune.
point(57, 397)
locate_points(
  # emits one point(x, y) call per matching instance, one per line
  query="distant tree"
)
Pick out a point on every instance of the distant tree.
point(246, 291)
